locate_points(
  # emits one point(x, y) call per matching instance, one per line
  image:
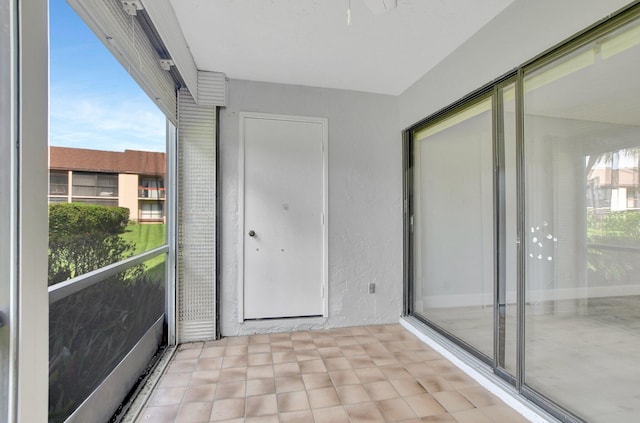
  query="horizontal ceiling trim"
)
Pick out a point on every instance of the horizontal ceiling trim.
point(166, 24)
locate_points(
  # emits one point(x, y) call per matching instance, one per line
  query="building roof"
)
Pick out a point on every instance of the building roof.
point(129, 161)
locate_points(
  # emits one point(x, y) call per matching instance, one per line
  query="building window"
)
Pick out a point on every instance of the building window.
point(58, 183)
point(151, 187)
point(151, 211)
point(87, 184)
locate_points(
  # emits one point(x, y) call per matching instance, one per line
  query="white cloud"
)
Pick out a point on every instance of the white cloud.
point(105, 121)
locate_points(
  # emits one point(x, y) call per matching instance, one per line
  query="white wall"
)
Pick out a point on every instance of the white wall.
point(365, 202)
point(522, 31)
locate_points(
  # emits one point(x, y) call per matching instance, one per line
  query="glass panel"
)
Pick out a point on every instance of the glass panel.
point(453, 225)
point(91, 331)
point(582, 155)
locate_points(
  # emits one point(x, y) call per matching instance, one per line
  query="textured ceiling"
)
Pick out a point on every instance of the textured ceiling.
point(308, 42)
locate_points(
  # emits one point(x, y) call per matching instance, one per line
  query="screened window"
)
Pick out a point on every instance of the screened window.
point(107, 273)
point(151, 187)
point(95, 184)
point(58, 183)
point(152, 211)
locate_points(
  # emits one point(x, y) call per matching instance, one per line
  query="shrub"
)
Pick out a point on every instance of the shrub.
point(79, 218)
point(85, 237)
point(91, 331)
point(620, 225)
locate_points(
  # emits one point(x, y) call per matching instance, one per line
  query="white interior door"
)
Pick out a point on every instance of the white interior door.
point(284, 233)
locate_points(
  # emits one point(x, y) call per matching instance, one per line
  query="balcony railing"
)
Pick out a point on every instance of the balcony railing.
point(104, 327)
point(151, 193)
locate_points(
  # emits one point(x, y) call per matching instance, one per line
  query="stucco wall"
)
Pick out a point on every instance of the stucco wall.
point(521, 32)
point(365, 202)
point(365, 176)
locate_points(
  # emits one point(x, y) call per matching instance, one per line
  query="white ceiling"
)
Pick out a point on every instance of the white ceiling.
point(308, 42)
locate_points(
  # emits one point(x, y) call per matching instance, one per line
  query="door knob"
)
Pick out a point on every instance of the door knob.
point(252, 233)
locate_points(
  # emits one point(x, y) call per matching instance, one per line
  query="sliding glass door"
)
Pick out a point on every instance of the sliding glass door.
point(523, 225)
point(582, 196)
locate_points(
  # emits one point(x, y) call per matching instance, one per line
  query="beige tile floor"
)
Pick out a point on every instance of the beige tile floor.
point(357, 374)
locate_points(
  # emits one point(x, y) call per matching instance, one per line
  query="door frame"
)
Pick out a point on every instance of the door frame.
point(325, 202)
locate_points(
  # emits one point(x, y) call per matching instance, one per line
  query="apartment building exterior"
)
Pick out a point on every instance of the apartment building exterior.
point(132, 179)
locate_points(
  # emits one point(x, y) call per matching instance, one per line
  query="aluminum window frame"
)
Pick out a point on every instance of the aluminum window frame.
point(8, 209)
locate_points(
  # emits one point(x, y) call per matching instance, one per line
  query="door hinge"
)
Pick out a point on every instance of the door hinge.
point(322, 147)
point(322, 291)
point(322, 218)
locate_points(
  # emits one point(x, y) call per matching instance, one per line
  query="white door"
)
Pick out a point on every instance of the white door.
point(284, 233)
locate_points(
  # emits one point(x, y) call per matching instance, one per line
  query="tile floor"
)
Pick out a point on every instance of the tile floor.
point(357, 374)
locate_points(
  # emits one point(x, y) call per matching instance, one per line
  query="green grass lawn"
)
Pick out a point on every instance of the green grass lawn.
point(147, 237)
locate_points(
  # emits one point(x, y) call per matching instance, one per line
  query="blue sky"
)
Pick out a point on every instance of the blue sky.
point(94, 101)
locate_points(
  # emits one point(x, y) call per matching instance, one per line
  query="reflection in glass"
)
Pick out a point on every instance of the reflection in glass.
point(453, 225)
point(91, 331)
point(582, 240)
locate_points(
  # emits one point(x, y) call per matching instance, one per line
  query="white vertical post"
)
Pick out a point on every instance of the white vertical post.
point(8, 282)
point(32, 296)
point(170, 218)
